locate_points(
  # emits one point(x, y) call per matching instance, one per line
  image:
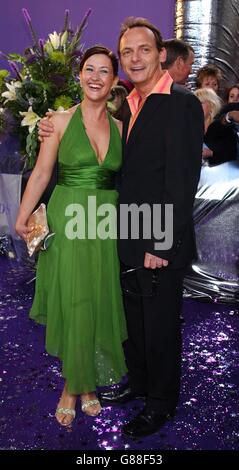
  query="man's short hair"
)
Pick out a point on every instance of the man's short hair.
point(176, 48)
point(137, 22)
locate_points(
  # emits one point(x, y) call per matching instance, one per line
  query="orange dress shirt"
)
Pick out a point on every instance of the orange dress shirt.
point(136, 103)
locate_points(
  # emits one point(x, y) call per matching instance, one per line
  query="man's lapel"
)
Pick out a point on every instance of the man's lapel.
point(145, 116)
point(124, 134)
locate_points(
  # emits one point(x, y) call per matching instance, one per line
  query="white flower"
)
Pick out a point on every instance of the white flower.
point(55, 40)
point(11, 93)
point(48, 47)
point(64, 38)
point(30, 118)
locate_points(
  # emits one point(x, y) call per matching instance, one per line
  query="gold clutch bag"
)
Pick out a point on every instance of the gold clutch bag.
point(40, 235)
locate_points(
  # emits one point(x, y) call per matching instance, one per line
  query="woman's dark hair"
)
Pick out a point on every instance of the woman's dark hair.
point(133, 22)
point(228, 91)
point(98, 49)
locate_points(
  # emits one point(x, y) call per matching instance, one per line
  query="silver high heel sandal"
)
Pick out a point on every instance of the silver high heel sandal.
point(85, 404)
point(65, 411)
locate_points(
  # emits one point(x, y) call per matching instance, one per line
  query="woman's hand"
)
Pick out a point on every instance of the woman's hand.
point(22, 229)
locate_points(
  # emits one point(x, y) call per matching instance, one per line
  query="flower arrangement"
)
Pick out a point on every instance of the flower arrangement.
point(45, 77)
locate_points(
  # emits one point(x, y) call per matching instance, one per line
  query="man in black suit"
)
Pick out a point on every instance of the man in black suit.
point(162, 147)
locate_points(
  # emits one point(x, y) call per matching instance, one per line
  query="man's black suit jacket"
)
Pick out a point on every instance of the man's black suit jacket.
point(161, 165)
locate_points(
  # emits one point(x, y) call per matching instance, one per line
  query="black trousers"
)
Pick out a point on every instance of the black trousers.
point(153, 348)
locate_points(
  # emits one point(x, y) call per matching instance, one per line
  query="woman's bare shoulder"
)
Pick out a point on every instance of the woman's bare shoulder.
point(60, 119)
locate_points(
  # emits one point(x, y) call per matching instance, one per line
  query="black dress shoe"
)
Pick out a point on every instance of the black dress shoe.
point(145, 423)
point(119, 395)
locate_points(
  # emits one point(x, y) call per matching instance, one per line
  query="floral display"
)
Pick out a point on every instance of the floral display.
point(44, 78)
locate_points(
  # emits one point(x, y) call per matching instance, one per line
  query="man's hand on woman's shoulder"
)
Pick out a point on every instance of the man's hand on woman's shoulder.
point(45, 126)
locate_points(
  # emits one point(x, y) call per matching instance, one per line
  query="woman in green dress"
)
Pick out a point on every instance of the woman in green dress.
point(77, 292)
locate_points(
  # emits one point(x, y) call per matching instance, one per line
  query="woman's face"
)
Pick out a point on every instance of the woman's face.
point(97, 77)
point(210, 82)
point(233, 95)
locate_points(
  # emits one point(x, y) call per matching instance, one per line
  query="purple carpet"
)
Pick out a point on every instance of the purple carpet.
point(31, 383)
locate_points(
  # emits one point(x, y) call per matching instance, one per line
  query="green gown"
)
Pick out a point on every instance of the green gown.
point(78, 293)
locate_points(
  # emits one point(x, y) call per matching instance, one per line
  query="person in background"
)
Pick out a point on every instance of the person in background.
point(229, 114)
point(179, 61)
point(121, 112)
point(232, 94)
point(209, 76)
point(117, 98)
point(211, 104)
point(126, 84)
point(222, 136)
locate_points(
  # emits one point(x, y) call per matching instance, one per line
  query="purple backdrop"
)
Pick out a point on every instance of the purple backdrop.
point(104, 22)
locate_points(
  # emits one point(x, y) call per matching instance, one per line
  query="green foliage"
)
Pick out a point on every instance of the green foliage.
point(46, 77)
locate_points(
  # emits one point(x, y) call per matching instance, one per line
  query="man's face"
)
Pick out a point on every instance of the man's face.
point(139, 56)
point(186, 68)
